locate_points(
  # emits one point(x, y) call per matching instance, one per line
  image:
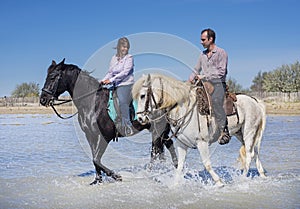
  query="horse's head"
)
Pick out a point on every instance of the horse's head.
point(53, 86)
point(143, 94)
point(156, 94)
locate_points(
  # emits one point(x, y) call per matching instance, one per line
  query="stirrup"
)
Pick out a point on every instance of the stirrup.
point(128, 131)
point(124, 130)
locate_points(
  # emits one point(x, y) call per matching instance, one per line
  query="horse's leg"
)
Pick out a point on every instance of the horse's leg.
point(204, 152)
point(182, 150)
point(170, 146)
point(250, 151)
point(159, 131)
point(249, 140)
point(98, 151)
point(157, 150)
point(242, 152)
point(259, 166)
point(168, 142)
point(242, 157)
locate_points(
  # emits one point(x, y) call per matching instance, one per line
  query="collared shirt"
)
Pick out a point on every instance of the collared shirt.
point(120, 71)
point(214, 67)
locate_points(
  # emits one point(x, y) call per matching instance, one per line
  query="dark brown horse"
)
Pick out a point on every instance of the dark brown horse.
point(91, 101)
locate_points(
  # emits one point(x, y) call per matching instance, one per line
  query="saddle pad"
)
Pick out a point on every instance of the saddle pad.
point(112, 110)
point(203, 102)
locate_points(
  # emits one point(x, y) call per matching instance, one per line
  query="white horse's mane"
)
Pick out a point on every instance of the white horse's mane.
point(174, 91)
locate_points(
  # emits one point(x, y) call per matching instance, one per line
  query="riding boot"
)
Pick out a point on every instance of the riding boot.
point(125, 129)
point(224, 137)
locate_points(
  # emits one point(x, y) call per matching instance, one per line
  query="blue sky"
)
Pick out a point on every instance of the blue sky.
point(258, 35)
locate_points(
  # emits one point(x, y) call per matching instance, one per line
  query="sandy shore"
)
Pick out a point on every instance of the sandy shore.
point(271, 109)
point(283, 108)
point(36, 110)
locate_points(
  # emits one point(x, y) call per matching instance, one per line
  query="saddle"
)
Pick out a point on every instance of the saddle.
point(113, 107)
point(203, 96)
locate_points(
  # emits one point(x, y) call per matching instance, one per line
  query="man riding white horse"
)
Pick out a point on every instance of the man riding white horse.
point(212, 63)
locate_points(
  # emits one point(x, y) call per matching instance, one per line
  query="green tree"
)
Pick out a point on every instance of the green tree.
point(283, 79)
point(295, 68)
point(258, 81)
point(26, 90)
point(234, 86)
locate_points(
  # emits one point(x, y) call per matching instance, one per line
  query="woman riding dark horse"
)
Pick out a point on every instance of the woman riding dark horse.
point(91, 101)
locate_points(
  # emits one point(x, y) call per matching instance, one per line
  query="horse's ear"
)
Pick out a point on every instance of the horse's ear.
point(53, 62)
point(62, 62)
point(148, 81)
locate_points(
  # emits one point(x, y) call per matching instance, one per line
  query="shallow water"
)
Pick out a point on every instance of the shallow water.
point(45, 163)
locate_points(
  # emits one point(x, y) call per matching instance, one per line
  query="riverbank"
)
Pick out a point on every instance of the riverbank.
point(272, 108)
point(282, 108)
point(36, 110)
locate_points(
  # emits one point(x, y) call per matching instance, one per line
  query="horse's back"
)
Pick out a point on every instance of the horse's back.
point(251, 111)
point(250, 103)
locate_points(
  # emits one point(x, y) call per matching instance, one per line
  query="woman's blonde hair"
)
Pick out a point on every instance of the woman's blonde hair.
point(121, 42)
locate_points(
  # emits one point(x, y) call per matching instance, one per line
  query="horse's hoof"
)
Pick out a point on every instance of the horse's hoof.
point(175, 163)
point(116, 177)
point(96, 181)
point(220, 184)
point(263, 175)
point(149, 166)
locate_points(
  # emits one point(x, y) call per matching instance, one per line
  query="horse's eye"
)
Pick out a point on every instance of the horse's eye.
point(143, 96)
point(52, 78)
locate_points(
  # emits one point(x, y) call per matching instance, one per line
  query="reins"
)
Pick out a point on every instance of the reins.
point(179, 123)
point(59, 115)
point(64, 101)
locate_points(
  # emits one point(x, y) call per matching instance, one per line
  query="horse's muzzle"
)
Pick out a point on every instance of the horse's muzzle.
point(142, 119)
point(43, 101)
point(46, 101)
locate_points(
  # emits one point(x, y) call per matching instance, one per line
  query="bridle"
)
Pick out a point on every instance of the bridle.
point(179, 123)
point(54, 98)
point(151, 98)
point(54, 89)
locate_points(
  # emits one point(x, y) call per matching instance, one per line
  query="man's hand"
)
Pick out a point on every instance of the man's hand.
point(200, 77)
point(197, 79)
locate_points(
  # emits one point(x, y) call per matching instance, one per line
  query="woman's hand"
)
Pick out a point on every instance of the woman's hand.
point(105, 82)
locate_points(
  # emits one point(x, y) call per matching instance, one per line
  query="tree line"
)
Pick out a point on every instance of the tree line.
point(284, 79)
point(31, 89)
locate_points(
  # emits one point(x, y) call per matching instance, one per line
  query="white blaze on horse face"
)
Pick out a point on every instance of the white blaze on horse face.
point(141, 104)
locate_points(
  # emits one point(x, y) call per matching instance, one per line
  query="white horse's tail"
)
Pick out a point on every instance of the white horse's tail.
point(262, 125)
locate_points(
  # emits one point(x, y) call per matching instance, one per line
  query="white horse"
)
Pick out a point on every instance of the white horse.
point(157, 93)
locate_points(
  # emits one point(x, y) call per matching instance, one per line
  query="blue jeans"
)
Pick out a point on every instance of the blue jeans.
point(124, 97)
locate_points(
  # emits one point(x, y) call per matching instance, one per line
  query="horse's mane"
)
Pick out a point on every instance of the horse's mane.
point(87, 74)
point(85, 83)
point(83, 74)
point(174, 91)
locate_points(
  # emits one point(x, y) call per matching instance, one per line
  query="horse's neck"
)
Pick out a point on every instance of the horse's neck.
point(71, 77)
point(184, 108)
point(86, 93)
